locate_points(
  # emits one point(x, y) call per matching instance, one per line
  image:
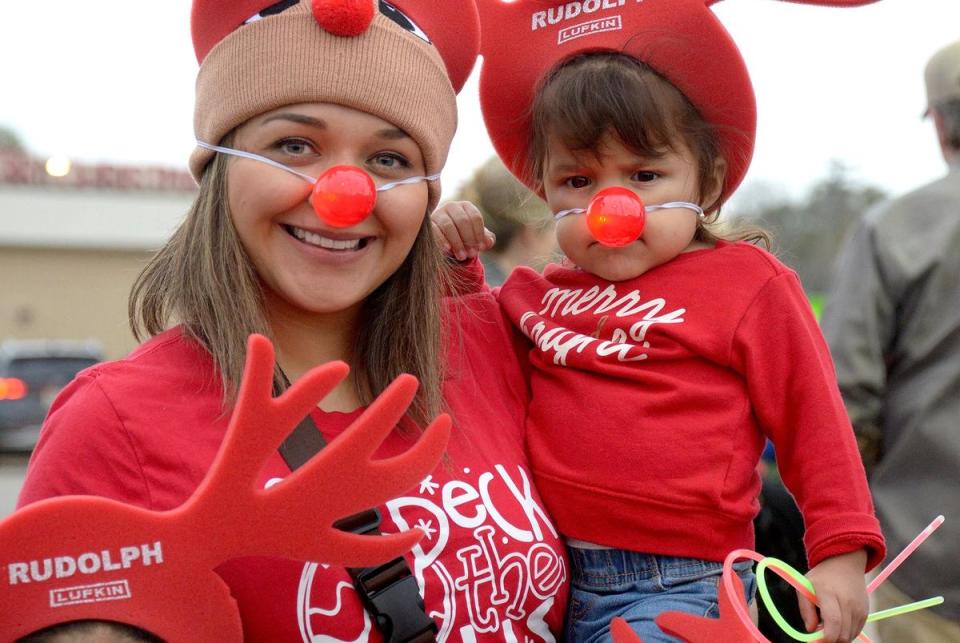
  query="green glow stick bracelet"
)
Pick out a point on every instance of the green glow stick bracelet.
point(805, 588)
point(796, 578)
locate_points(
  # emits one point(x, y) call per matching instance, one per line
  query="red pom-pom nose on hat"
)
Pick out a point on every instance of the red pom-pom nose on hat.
point(616, 217)
point(344, 17)
point(343, 196)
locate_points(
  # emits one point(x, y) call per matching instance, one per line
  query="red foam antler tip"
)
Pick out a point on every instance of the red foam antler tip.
point(344, 17)
point(623, 633)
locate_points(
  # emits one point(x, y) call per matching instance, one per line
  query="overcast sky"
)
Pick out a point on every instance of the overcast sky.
point(112, 80)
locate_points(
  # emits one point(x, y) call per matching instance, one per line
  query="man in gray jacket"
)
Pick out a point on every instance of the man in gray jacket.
point(892, 322)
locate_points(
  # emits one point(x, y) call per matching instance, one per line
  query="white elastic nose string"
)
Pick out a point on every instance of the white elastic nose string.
point(306, 177)
point(649, 208)
point(412, 179)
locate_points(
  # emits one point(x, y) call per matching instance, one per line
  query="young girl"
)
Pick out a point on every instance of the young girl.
point(288, 92)
point(658, 367)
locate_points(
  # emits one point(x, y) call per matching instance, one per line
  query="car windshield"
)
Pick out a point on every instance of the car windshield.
point(48, 370)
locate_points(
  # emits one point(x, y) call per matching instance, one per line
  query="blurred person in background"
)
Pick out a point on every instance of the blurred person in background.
point(892, 321)
point(520, 222)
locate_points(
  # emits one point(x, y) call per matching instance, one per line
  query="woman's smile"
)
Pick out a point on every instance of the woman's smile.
point(339, 243)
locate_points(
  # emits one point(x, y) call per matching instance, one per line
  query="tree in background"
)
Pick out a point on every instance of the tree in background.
point(808, 233)
point(10, 141)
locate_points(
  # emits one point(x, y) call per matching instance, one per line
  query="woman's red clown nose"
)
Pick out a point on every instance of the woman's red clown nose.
point(344, 196)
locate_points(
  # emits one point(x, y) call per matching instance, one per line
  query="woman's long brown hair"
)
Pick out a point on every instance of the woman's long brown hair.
point(203, 279)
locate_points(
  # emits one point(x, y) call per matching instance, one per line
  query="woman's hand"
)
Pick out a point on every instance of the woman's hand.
point(458, 228)
point(841, 589)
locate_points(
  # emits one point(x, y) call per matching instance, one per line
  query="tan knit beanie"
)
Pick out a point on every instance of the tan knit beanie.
point(258, 55)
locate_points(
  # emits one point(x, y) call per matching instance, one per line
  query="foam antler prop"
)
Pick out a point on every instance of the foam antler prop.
point(74, 558)
point(682, 40)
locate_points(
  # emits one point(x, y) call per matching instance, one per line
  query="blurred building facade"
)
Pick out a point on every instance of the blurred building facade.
point(72, 245)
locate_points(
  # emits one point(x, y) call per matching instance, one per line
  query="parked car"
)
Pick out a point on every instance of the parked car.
point(32, 373)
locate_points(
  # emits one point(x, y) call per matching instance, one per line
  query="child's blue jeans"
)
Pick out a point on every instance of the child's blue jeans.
point(637, 587)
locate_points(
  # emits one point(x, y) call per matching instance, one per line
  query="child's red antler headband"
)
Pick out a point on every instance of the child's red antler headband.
point(682, 40)
point(75, 558)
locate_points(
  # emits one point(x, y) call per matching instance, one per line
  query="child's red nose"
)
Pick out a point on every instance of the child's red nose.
point(616, 217)
point(344, 17)
point(343, 196)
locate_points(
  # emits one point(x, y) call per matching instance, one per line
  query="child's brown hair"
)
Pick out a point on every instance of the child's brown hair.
point(593, 95)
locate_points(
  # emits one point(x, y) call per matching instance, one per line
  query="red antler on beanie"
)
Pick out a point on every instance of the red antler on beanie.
point(682, 40)
point(402, 60)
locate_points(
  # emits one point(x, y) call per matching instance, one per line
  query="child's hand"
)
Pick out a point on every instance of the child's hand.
point(458, 228)
point(841, 589)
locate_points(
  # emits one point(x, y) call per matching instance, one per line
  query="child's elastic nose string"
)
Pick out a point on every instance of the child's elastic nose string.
point(617, 216)
point(306, 177)
point(650, 208)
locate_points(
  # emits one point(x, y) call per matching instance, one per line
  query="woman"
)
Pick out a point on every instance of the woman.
point(310, 86)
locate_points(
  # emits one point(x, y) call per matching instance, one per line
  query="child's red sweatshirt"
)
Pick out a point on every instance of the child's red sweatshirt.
point(652, 399)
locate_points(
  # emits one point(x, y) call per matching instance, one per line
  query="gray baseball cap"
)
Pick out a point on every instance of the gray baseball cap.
point(942, 76)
